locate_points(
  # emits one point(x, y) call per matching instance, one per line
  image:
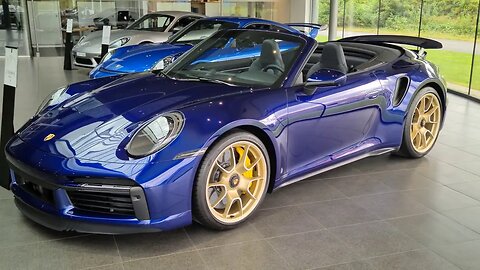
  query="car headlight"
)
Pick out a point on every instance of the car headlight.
point(156, 134)
point(80, 40)
point(119, 42)
point(53, 99)
point(163, 63)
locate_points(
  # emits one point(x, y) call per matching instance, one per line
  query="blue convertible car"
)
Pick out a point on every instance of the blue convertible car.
point(207, 140)
point(148, 57)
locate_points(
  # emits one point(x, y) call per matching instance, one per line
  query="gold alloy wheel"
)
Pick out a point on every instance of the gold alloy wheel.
point(425, 123)
point(236, 182)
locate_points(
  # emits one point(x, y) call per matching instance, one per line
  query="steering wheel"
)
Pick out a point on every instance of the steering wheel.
point(273, 67)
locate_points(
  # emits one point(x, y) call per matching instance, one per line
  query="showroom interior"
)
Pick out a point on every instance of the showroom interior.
point(380, 212)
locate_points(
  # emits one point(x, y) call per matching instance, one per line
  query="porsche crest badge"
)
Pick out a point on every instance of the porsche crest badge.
point(49, 137)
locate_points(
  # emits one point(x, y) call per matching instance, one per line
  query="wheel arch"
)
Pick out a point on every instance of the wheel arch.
point(441, 90)
point(439, 87)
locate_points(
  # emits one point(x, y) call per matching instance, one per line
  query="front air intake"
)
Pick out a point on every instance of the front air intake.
point(123, 201)
point(115, 203)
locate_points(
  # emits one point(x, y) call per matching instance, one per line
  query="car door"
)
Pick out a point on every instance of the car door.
point(332, 124)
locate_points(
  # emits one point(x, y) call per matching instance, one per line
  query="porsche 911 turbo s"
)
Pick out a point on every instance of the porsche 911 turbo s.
point(209, 137)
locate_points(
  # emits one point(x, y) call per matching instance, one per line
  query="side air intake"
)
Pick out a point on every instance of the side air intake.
point(400, 90)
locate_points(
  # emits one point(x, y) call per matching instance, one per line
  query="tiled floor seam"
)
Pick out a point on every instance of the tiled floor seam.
point(195, 248)
point(457, 222)
point(45, 241)
point(393, 253)
point(456, 166)
point(118, 251)
point(279, 254)
point(352, 249)
point(343, 198)
point(103, 265)
point(445, 258)
point(153, 257)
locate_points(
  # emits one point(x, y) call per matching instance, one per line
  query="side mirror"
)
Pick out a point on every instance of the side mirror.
point(324, 78)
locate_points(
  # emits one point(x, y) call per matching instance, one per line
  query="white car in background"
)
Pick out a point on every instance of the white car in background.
point(151, 28)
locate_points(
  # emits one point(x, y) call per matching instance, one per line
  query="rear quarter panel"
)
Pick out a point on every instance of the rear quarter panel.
point(420, 73)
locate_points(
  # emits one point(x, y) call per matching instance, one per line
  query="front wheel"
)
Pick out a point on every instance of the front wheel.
point(422, 124)
point(232, 181)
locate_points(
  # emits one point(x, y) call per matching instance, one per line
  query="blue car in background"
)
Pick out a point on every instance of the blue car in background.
point(148, 57)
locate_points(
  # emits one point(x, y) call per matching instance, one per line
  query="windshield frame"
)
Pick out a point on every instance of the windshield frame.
point(289, 69)
point(145, 17)
point(173, 38)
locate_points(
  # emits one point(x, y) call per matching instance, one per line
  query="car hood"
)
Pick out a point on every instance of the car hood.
point(92, 43)
point(93, 125)
point(140, 58)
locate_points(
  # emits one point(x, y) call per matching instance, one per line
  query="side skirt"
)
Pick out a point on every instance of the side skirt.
point(336, 165)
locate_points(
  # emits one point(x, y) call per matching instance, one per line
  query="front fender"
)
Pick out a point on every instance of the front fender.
point(211, 120)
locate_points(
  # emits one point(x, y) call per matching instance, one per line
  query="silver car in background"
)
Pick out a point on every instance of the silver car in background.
point(150, 28)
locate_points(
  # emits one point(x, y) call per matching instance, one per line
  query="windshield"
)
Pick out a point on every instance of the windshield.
point(240, 58)
point(152, 22)
point(199, 31)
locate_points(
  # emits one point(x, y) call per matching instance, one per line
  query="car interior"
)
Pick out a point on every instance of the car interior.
point(263, 62)
point(260, 62)
point(348, 57)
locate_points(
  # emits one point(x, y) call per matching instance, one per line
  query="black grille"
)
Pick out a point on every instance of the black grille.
point(83, 61)
point(35, 189)
point(105, 202)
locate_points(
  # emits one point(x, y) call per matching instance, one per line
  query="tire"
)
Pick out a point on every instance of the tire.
point(417, 123)
point(224, 179)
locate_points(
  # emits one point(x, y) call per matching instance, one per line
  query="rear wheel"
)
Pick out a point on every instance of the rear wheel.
point(422, 125)
point(232, 181)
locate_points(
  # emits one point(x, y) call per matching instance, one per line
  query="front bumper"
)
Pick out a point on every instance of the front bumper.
point(59, 223)
point(88, 60)
point(40, 197)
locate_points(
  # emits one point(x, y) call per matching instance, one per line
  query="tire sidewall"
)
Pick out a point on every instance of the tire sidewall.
point(201, 211)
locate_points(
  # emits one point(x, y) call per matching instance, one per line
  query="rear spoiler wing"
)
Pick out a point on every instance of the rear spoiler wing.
point(424, 43)
point(315, 28)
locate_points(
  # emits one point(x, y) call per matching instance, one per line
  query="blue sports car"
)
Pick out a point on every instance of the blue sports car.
point(206, 140)
point(156, 56)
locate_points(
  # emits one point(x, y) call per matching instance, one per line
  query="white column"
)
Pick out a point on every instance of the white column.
point(300, 11)
point(332, 24)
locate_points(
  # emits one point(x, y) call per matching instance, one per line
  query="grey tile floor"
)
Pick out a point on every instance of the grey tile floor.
point(379, 213)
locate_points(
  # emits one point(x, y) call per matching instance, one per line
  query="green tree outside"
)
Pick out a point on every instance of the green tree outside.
point(441, 19)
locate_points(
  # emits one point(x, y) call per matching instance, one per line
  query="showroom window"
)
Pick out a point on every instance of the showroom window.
point(48, 18)
point(13, 29)
point(452, 22)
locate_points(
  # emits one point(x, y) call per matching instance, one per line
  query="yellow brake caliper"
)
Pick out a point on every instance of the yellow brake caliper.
point(248, 163)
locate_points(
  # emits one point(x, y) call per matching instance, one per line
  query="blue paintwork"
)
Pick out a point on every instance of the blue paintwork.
point(143, 57)
point(306, 132)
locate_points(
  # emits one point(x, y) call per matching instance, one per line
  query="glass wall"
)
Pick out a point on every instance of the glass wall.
point(13, 30)
point(475, 82)
point(452, 22)
point(49, 17)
